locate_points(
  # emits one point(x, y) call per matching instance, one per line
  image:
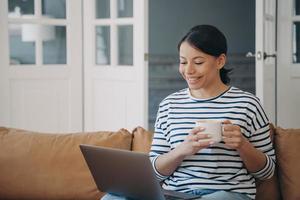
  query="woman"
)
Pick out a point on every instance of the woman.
point(182, 159)
point(182, 156)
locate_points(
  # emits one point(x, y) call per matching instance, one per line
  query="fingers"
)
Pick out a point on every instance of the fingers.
point(199, 139)
point(197, 129)
point(226, 122)
point(202, 144)
point(234, 142)
point(231, 133)
point(232, 136)
point(230, 127)
point(199, 136)
point(229, 140)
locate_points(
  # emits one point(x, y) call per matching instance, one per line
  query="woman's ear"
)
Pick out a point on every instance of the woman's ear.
point(221, 60)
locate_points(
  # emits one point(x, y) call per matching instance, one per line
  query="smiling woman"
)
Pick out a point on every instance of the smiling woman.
point(201, 70)
point(184, 157)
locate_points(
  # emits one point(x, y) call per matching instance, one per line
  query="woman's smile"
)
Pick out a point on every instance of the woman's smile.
point(193, 80)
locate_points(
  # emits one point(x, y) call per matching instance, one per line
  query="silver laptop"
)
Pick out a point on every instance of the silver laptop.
point(126, 173)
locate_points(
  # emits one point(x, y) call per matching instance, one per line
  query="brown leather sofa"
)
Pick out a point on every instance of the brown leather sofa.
point(50, 166)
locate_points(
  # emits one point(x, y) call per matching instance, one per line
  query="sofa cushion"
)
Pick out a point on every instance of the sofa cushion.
point(142, 140)
point(287, 150)
point(50, 166)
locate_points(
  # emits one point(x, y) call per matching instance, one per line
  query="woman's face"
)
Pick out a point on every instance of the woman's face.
point(200, 70)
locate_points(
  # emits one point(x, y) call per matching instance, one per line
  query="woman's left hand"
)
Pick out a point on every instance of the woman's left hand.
point(232, 135)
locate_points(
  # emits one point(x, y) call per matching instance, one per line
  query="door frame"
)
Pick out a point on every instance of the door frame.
point(265, 80)
point(288, 72)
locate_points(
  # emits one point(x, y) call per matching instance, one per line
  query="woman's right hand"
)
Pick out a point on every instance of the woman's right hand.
point(194, 142)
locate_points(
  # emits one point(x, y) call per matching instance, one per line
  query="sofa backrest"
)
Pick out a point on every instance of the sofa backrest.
point(285, 185)
point(51, 166)
point(287, 146)
point(269, 189)
point(142, 140)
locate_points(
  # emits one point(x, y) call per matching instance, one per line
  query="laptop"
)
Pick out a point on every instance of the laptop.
point(126, 173)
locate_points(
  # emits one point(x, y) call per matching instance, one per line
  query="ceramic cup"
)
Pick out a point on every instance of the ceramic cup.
point(212, 128)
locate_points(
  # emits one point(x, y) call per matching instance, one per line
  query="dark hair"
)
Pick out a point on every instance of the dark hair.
point(211, 41)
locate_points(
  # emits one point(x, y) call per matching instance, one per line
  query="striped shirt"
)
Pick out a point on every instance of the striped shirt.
point(218, 166)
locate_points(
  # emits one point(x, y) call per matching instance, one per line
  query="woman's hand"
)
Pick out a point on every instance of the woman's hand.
point(194, 142)
point(167, 163)
point(253, 158)
point(232, 135)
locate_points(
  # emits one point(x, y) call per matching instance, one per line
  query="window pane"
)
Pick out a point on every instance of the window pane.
point(103, 45)
point(296, 42)
point(54, 8)
point(102, 9)
point(125, 8)
point(297, 7)
point(21, 48)
point(16, 8)
point(54, 44)
point(125, 45)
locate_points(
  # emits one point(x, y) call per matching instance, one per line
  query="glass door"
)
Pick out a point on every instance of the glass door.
point(41, 64)
point(115, 69)
point(72, 65)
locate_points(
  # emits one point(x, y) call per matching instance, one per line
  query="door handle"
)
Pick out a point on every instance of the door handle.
point(269, 55)
point(253, 55)
point(258, 55)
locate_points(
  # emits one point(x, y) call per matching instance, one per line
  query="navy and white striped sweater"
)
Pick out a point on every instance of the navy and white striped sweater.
point(216, 167)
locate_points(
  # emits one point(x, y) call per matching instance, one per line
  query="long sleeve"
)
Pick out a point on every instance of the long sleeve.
point(159, 144)
point(260, 139)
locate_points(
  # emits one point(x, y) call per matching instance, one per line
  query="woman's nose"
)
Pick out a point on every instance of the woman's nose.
point(189, 69)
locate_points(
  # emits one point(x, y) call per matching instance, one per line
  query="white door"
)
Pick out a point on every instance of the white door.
point(265, 64)
point(41, 65)
point(288, 63)
point(115, 64)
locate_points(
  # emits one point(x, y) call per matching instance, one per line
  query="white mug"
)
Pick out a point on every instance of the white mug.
point(213, 128)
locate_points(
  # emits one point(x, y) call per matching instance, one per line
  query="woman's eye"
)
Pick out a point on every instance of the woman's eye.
point(198, 63)
point(182, 63)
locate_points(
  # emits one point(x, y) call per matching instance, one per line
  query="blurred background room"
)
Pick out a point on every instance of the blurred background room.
point(79, 65)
